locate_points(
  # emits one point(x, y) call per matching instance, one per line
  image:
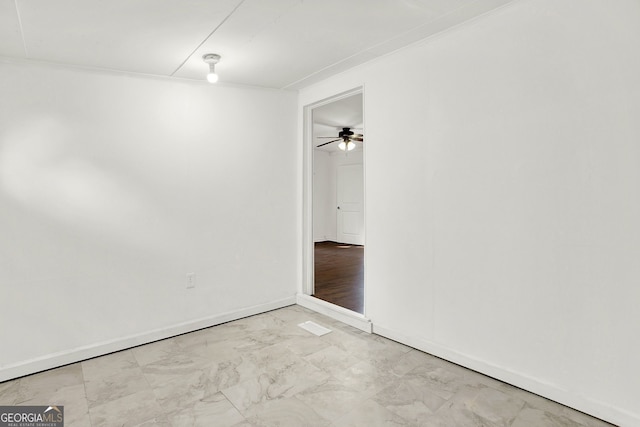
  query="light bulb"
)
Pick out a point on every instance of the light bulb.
point(344, 146)
point(212, 59)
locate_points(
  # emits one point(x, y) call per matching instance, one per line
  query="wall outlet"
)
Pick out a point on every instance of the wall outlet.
point(191, 280)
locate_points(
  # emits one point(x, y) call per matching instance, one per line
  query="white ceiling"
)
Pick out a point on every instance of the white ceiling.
point(271, 43)
point(346, 112)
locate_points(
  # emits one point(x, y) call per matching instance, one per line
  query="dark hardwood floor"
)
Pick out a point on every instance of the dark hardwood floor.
point(339, 274)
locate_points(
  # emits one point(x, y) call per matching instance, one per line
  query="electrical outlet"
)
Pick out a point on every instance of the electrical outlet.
point(191, 280)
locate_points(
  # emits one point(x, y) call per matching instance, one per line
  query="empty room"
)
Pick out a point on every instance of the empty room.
point(320, 213)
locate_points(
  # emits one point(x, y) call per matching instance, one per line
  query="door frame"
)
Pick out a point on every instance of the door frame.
point(307, 220)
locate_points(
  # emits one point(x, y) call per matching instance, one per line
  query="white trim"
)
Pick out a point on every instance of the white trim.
point(133, 74)
point(336, 312)
point(584, 404)
point(94, 350)
point(307, 202)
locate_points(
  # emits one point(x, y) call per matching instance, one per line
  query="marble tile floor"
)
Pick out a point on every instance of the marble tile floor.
point(266, 371)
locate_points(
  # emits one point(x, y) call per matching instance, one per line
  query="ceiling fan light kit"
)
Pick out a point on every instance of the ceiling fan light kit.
point(346, 138)
point(212, 59)
point(346, 146)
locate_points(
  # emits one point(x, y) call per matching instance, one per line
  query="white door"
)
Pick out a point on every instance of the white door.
point(350, 209)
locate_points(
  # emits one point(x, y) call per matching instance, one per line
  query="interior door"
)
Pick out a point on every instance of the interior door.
point(350, 206)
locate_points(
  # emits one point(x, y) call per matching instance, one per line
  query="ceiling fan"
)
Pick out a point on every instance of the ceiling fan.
point(347, 138)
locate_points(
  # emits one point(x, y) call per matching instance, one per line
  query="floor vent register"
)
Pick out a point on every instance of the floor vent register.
point(314, 328)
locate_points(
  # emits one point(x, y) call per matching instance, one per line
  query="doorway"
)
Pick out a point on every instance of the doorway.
point(335, 143)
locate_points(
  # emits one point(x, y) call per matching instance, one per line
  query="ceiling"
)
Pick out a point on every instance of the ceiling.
point(285, 44)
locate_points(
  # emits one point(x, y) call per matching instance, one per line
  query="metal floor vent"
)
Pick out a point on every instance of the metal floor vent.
point(314, 328)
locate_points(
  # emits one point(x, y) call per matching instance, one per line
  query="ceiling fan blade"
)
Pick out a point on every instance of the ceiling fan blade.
point(318, 146)
point(359, 139)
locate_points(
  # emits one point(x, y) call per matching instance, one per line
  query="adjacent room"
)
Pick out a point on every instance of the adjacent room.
point(451, 189)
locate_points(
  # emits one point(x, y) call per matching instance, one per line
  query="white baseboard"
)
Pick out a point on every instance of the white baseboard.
point(336, 312)
point(597, 409)
point(78, 354)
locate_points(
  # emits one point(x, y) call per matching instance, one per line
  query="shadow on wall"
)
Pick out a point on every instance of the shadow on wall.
point(43, 172)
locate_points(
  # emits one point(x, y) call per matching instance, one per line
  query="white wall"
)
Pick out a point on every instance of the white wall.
point(113, 188)
point(502, 227)
point(323, 184)
point(325, 169)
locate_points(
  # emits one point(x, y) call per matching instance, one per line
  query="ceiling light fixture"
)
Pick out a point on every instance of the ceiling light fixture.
point(344, 146)
point(212, 59)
